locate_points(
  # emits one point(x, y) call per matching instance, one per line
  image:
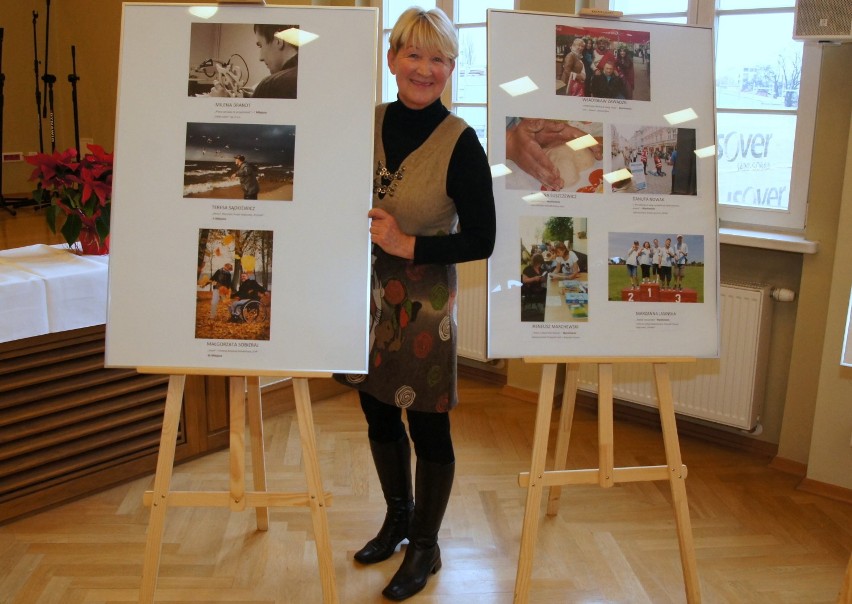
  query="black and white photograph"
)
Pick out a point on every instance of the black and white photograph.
point(236, 60)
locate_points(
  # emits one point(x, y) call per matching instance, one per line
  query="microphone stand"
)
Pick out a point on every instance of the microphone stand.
point(36, 63)
point(48, 80)
point(3, 199)
point(73, 78)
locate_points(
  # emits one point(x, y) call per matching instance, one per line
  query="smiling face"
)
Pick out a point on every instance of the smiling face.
point(421, 75)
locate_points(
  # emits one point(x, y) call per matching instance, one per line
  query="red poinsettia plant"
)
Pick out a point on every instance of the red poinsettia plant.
point(78, 193)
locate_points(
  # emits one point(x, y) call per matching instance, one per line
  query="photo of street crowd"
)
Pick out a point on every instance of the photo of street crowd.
point(603, 63)
point(554, 269)
point(656, 267)
point(239, 161)
point(554, 155)
point(233, 294)
point(661, 160)
point(241, 60)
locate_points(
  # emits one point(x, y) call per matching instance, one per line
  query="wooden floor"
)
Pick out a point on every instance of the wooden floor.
point(757, 539)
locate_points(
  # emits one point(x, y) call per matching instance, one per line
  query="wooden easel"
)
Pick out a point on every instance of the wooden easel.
point(237, 498)
point(605, 475)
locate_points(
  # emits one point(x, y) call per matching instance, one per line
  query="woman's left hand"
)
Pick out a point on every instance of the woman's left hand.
point(385, 233)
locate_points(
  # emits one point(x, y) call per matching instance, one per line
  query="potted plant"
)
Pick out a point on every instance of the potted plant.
point(78, 195)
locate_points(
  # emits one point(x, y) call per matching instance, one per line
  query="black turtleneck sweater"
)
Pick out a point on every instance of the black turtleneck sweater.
point(468, 183)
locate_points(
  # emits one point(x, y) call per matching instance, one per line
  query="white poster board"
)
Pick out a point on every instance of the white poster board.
point(630, 128)
point(846, 357)
point(297, 106)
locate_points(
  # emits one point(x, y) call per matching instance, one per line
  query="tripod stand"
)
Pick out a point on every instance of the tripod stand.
point(6, 203)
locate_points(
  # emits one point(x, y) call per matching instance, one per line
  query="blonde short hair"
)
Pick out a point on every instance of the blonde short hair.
point(430, 30)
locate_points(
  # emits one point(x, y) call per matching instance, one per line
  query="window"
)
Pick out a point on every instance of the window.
point(764, 128)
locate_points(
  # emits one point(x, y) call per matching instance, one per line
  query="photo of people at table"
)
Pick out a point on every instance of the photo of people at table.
point(554, 269)
point(233, 293)
point(660, 159)
point(603, 63)
point(656, 267)
point(554, 155)
point(239, 161)
point(242, 60)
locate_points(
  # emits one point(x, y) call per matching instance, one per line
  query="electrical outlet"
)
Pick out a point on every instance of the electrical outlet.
point(10, 156)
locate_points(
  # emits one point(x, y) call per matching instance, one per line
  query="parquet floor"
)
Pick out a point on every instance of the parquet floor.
point(757, 539)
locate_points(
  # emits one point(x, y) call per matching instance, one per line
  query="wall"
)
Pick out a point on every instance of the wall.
point(811, 391)
point(830, 459)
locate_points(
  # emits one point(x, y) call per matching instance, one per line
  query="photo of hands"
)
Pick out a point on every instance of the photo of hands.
point(554, 155)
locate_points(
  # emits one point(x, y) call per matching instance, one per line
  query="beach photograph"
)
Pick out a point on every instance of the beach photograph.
point(239, 161)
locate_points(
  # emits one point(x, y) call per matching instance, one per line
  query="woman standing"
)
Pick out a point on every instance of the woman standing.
point(432, 207)
point(624, 68)
point(573, 69)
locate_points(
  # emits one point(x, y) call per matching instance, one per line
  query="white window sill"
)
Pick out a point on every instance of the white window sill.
point(767, 240)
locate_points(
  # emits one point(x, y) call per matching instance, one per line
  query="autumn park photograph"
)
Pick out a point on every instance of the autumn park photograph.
point(234, 287)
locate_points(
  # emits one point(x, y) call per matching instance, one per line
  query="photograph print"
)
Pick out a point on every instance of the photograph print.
point(554, 268)
point(603, 63)
point(239, 161)
point(233, 293)
point(660, 159)
point(656, 267)
point(554, 155)
point(239, 60)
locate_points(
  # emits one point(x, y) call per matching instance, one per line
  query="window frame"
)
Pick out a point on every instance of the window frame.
point(794, 219)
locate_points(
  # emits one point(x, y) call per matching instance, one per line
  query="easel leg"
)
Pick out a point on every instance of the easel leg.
point(606, 452)
point(237, 453)
point(677, 481)
point(566, 419)
point(529, 532)
point(162, 481)
point(315, 490)
point(258, 463)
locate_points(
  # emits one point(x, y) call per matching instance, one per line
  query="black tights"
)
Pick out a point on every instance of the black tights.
point(430, 432)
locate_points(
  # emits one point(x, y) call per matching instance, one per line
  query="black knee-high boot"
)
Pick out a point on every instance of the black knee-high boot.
point(433, 484)
point(393, 465)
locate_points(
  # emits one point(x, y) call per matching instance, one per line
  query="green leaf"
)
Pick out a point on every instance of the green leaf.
point(102, 228)
point(50, 216)
point(71, 228)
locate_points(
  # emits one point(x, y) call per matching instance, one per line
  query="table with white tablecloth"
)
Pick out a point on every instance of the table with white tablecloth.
point(48, 289)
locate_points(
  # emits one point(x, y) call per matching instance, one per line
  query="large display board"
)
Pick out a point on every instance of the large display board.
point(601, 134)
point(846, 355)
point(242, 183)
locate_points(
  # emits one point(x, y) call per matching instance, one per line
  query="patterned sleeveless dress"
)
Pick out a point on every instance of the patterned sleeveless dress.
point(412, 362)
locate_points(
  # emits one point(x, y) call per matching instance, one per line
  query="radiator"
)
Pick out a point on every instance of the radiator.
point(472, 301)
point(728, 390)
